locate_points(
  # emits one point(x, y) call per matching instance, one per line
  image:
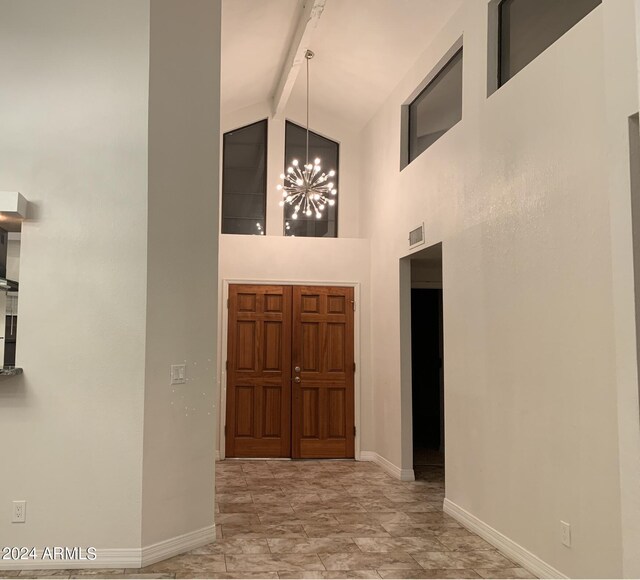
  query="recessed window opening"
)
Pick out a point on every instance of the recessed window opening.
point(244, 180)
point(328, 151)
point(526, 28)
point(437, 108)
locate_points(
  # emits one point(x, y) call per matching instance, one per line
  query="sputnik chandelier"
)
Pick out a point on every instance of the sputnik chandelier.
point(306, 187)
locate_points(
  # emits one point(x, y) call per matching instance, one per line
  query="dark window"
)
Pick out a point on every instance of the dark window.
point(244, 180)
point(529, 27)
point(437, 108)
point(328, 152)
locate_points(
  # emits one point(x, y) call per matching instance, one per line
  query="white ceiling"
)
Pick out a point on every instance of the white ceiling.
point(363, 49)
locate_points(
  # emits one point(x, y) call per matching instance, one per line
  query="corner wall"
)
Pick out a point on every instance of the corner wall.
point(518, 194)
point(73, 112)
point(184, 124)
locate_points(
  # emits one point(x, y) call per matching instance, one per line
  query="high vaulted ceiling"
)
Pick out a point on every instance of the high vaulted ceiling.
point(363, 49)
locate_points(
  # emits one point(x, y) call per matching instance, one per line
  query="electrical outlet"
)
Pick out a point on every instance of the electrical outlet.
point(565, 533)
point(178, 374)
point(19, 512)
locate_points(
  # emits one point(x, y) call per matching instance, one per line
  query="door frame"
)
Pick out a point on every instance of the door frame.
point(223, 333)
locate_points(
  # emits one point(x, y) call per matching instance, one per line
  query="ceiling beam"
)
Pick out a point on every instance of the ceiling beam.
point(311, 12)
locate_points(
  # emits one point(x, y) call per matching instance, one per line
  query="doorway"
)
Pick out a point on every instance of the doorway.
point(427, 357)
point(290, 372)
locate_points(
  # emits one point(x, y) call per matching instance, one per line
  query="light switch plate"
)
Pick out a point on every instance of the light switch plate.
point(565, 533)
point(178, 374)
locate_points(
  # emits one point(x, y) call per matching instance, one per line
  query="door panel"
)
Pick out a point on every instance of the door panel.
point(322, 346)
point(258, 375)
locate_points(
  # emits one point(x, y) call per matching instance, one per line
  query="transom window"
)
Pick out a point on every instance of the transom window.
point(437, 108)
point(244, 180)
point(528, 27)
point(328, 151)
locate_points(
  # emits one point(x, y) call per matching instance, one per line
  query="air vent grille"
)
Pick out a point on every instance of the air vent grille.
point(416, 237)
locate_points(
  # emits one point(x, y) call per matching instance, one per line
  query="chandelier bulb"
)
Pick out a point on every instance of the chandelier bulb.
point(295, 163)
point(317, 161)
point(332, 173)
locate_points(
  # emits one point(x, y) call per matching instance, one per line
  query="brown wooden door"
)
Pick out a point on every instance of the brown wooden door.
point(258, 375)
point(323, 399)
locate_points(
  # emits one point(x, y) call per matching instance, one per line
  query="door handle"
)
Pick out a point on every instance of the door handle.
point(297, 369)
point(297, 380)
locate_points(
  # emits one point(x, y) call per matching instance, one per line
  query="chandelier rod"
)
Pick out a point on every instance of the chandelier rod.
point(308, 55)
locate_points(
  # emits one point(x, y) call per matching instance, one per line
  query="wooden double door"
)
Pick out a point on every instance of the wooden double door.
point(290, 372)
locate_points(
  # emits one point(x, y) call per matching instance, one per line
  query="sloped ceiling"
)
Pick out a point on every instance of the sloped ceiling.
point(363, 49)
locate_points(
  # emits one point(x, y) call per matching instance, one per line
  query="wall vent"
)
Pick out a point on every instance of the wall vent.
point(416, 237)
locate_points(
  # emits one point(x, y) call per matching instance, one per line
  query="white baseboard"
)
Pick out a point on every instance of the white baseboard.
point(178, 545)
point(390, 468)
point(507, 546)
point(106, 558)
point(121, 557)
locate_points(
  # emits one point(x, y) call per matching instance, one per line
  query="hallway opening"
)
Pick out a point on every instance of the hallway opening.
point(427, 354)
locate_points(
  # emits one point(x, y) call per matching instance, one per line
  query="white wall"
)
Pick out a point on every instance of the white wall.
point(184, 124)
point(621, 80)
point(73, 111)
point(517, 193)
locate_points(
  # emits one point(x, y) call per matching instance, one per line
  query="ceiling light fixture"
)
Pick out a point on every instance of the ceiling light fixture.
point(307, 188)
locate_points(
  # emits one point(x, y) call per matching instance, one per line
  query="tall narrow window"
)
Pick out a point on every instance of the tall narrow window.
point(244, 180)
point(528, 27)
point(437, 108)
point(328, 152)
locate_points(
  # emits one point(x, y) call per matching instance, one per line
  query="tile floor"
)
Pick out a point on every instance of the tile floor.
point(326, 519)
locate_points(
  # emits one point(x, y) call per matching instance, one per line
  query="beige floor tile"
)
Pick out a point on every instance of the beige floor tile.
point(312, 545)
point(262, 531)
point(188, 566)
point(408, 545)
point(506, 573)
point(427, 574)
point(139, 575)
point(464, 543)
point(270, 497)
point(373, 560)
point(244, 575)
point(234, 546)
point(45, 573)
point(273, 562)
point(238, 519)
point(339, 574)
point(486, 559)
point(96, 572)
point(237, 508)
point(345, 530)
point(410, 530)
point(297, 519)
point(374, 518)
